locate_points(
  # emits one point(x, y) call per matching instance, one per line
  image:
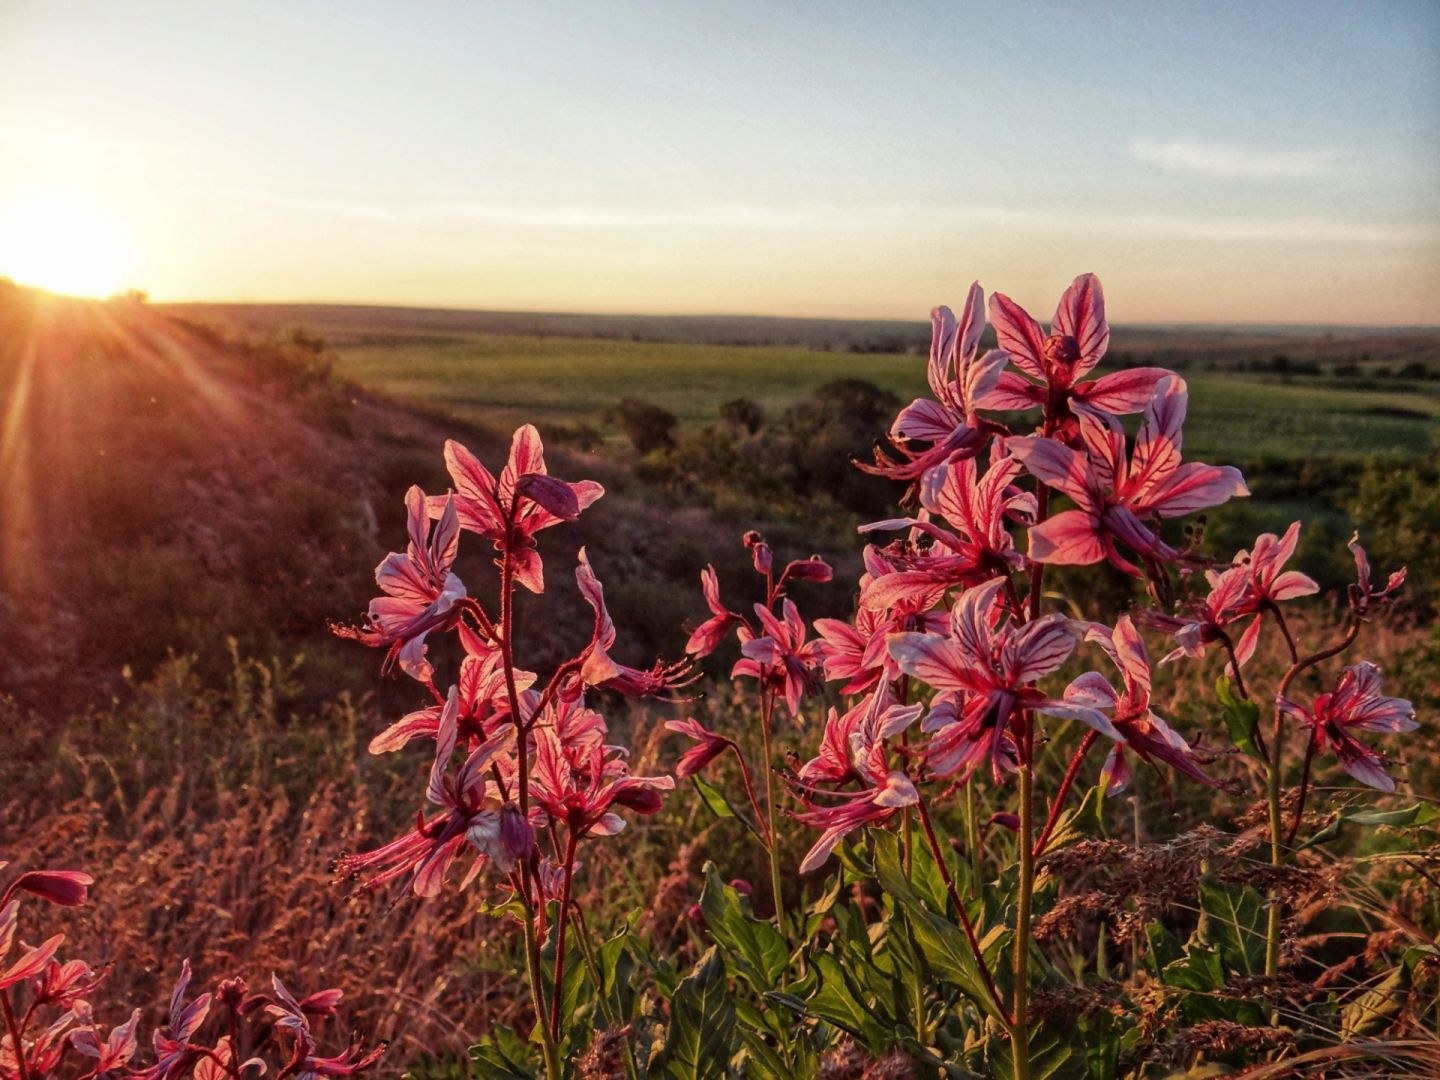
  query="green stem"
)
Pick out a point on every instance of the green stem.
point(557, 983)
point(587, 950)
point(1020, 1022)
point(553, 1070)
point(767, 709)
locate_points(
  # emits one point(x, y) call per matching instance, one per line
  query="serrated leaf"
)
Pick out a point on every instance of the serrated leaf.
point(757, 947)
point(835, 1001)
point(1087, 819)
point(943, 945)
point(701, 1035)
point(1241, 718)
point(502, 1054)
point(1052, 1055)
point(1372, 1011)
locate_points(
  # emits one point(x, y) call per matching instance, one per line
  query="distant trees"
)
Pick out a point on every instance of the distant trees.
point(646, 425)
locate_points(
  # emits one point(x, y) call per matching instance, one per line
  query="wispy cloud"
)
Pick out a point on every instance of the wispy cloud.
point(1232, 161)
point(891, 218)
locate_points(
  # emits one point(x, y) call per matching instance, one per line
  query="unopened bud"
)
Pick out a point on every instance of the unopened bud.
point(231, 993)
point(68, 888)
point(517, 836)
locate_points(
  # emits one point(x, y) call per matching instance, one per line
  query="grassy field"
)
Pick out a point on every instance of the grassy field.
point(511, 378)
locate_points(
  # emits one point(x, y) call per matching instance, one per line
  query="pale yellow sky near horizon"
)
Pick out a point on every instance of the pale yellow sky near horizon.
point(743, 162)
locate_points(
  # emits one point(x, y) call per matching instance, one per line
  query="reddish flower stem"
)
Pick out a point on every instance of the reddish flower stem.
point(767, 710)
point(750, 793)
point(1304, 788)
point(935, 849)
point(16, 1044)
point(1065, 784)
point(1277, 824)
point(522, 783)
point(1037, 570)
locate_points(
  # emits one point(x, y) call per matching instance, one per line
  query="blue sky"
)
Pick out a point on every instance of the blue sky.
point(1261, 162)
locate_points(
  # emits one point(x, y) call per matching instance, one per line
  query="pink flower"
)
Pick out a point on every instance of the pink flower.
point(780, 658)
point(883, 791)
point(708, 745)
point(1143, 731)
point(980, 546)
point(579, 785)
point(854, 653)
point(1254, 582)
point(875, 716)
point(293, 1017)
point(510, 511)
point(62, 984)
point(1112, 493)
point(115, 1050)
point(708, 635)
point(986, 673)
point(174, 1056)
point(1362, 594)
point(1079, 336)
point(599, 669)
point(1203, 622)
point(421, 594)
point(1269, 583)
point(427, 850)
point(1355, 703)
point(949, 423)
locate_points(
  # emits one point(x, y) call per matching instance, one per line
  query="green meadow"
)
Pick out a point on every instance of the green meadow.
point(508, 379)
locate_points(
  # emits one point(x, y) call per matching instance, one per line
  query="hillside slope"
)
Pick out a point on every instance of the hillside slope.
point(164, 488)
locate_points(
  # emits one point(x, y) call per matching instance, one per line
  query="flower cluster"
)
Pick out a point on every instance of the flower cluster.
point(951, 629)
point(51, 1028)
point(515, 760)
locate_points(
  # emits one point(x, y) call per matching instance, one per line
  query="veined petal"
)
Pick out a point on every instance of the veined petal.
point(1121, 392)
point(1081, 315)
point(1019, 335)
point(925, 420)
point(1070, 538)
point(1012, 393)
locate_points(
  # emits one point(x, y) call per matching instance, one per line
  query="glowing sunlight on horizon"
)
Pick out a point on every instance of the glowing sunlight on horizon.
point(63, 244)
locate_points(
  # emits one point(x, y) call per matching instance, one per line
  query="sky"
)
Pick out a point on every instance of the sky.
point(1255, 162)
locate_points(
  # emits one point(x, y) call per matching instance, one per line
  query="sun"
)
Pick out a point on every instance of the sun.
point(65, 245)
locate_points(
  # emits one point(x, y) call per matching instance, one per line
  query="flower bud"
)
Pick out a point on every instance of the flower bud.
point(68, 888)
point(231, 993)
point(517, 836)
point(759, 552)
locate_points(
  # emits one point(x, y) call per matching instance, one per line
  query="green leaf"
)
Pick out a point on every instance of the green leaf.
point(757, 947)
point(1233, 921)
point(701, 1034)
point(758, 1059)
point(1087, 819)
point(1052, 1055)
point(943, 945)
point(719, 805)
point(1372, 1011)
point(835, 1001)
point(1417, 816)
point(502, 1054)
point(1241, 718)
